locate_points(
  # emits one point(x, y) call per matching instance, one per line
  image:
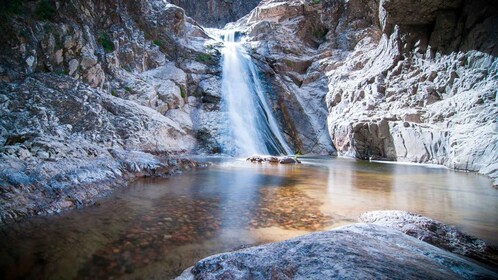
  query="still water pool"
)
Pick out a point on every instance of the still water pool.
point(159, 226)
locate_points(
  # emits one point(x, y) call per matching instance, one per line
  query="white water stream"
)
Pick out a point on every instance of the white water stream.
point(252, 126)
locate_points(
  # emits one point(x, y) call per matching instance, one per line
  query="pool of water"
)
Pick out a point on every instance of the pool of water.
point(159, 226)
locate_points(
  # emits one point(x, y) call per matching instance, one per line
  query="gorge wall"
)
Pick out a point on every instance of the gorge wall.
point(401, 80)
point(216, 13)
point(93, 93)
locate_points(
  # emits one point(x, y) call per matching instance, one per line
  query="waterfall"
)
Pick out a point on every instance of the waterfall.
point(252, 126)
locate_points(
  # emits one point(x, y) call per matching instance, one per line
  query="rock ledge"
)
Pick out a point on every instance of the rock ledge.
point(361, 251)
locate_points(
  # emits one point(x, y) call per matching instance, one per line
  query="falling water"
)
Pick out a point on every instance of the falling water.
point(252, 126)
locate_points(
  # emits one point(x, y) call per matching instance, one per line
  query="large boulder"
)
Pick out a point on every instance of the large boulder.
point(359, 251)
point(435, 233)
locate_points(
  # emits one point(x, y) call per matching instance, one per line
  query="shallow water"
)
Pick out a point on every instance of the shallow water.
point(158, 227)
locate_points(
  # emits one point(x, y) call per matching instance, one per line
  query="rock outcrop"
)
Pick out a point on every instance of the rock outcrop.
point(424, 90)
point(401, 80)
point(67, 143)
point(353, 252)
point(216, 13)
point(74, 79)
point(436, 233)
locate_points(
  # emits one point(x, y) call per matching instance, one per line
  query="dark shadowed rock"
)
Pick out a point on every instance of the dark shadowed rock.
point(435, 233)
point(216, 13)
point(359, 251)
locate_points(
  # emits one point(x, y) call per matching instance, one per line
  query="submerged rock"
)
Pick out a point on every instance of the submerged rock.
point(435, 233)
point(288, 160)
point(360, 251)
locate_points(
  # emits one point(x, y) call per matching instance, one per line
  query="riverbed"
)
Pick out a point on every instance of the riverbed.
point(159, 226)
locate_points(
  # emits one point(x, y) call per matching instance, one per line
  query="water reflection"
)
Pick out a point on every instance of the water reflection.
point(158, 227)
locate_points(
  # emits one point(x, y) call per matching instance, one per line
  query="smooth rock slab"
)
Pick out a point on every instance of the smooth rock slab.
point(361, 251)
point(435, 233)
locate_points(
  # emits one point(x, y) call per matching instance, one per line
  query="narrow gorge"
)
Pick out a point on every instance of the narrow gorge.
point(125, 128)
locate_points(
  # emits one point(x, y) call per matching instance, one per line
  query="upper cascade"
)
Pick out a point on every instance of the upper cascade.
point(252, 127)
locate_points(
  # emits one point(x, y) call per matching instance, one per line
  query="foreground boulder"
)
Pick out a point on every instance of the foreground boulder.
point(435, 233)
point(360, 251)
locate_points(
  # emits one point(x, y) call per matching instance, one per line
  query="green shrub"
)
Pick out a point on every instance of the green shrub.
point(62, 72)
point(315, 1)
point(45, 10)
point(182, 93)
point(12, 7)
point(106, 43)
point(156, 42)
point(127, 89)
point(203, 57)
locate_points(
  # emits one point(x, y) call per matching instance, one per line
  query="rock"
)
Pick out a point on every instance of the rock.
point(287, 160)
point(406, 12)
point(216, 13)
point(73, 66)
point(436, 233)
point(402, 78)
point(83, 143)
point(351, 252)
point(273, 159)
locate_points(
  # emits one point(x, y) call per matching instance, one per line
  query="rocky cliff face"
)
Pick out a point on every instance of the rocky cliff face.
point(216, 13)
point(93, 93)
point(401, 80)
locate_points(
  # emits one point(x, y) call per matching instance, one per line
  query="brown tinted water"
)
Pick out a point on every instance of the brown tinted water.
point(158, 227)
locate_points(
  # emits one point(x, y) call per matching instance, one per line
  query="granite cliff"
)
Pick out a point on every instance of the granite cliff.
point(216, 13)
point(92, 94)
point(393, 80)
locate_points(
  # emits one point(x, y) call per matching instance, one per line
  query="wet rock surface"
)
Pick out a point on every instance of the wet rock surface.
point(351, 252)
point(273, 159)
point(436, 233)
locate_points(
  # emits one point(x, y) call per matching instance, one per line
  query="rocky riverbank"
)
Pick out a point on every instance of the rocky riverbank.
point(68, 144)
point(351, 252)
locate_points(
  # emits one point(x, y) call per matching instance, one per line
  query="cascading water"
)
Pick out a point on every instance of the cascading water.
point(252, 126)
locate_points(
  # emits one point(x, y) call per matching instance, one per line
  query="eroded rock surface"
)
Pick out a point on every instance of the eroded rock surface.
point(74, 80)
point(216, 13)
point(66, 143)
point(435, 233)
point(353, 252)
point(401, 80)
